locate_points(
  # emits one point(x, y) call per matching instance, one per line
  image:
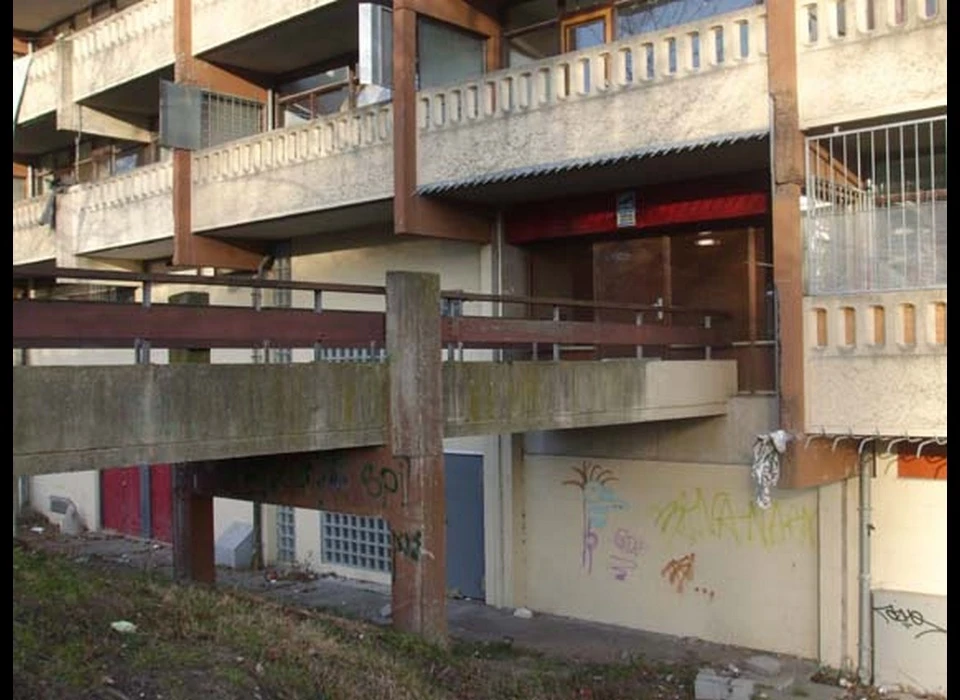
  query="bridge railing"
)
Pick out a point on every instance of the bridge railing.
point(543, 328)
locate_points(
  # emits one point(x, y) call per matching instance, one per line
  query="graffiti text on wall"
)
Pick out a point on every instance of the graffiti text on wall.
point(679, 571)
point(698, 515)
point(598, 500)
point(909, 619)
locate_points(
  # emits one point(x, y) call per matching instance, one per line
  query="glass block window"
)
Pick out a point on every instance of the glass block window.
point(356, 541)
point(286, 535)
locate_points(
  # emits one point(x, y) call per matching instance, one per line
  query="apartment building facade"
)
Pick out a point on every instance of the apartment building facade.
point(781, 165)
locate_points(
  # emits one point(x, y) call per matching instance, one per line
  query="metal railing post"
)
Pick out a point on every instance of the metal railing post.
point(708, 352)
point(317, 309)
point(639, 322)
point(556, 346)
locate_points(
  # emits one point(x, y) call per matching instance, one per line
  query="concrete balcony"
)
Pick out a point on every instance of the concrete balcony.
point(690, 84)
point(876, 363)
point(42, 86)
point(33, 242)
point(281, 183)
point(854, 65)
point(308, 171)
point(123, 47)
point(130, 215)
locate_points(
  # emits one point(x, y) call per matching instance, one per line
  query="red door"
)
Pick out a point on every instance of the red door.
point(161, 502)
point(120, 501)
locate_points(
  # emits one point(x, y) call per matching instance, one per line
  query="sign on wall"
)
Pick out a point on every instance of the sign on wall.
point(626, 210)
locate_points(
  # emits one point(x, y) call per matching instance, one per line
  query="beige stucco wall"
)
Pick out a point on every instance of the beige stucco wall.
point(909, 579)
point(748, 577)
point(889, 70)
point(909, 542)
point(888, 389)
point(217, 22)
point(838, 541)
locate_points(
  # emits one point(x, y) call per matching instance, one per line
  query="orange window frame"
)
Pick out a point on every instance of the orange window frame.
point(566, 23)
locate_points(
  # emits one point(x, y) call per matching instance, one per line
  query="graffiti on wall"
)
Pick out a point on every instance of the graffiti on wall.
point(679, 571)
point(598, 500)
point(628, 548)
point(699, 515)
point(908, 619)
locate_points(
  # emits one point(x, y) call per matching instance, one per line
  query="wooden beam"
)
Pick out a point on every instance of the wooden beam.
point(71, 324)
point(193, 541)
point(492, 332)
point(416, 436)
point(366, 481)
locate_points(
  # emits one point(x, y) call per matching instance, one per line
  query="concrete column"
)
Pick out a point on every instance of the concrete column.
point(418, 527)
point(193, 555)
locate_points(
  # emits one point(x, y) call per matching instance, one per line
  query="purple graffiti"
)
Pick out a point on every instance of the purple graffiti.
point(598, 500)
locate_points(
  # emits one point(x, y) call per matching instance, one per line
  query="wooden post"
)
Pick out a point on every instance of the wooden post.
point(416, 435)
point(193, 558)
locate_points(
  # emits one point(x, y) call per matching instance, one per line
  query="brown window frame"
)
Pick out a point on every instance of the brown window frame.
point(572, 20)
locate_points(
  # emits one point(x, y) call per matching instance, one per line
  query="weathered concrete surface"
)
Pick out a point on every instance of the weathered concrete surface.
point(893, 374)
point(868, 73)
point(75, 418)
point(486, 398)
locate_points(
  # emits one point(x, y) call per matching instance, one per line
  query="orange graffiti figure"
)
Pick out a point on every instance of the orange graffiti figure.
point(679, 571)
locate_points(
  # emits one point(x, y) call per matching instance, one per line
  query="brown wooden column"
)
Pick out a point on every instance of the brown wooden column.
point(418, 527)
point(190, 250)
point(193, 545)
point(802, 467)
point(412, 213)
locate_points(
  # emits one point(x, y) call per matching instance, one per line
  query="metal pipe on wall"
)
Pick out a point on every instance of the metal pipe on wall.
point(868, 461)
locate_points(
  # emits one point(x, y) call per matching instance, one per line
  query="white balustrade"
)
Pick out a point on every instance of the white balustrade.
point(714, 43)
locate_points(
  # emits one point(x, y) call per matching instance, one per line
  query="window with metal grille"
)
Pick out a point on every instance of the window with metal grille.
point(875, 211)
point(226, 118)
point(286, 535)
point(355, 541)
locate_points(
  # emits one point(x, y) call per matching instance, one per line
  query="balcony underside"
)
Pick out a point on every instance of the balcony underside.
point(76, 418)
point(275, 49)
point(368, 216)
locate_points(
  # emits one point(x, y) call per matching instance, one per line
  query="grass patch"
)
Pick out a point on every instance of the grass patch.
point(194, 642)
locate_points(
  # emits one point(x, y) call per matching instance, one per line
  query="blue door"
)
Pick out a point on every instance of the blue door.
point(464, 496)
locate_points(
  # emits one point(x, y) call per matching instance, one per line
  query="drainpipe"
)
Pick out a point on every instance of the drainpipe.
point(867, 466)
